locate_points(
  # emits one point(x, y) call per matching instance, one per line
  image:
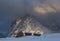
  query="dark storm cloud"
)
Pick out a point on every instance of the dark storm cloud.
point(9, 11)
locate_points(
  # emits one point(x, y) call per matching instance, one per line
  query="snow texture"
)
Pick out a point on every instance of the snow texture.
point(46, 37)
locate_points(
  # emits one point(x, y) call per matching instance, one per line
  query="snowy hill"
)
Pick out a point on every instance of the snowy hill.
point(29, 25)
point(46, 37)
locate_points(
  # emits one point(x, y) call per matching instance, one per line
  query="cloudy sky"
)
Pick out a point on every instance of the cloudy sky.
point(46, 11)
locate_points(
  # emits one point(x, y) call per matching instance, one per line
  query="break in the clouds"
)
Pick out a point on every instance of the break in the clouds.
point(44, 9)
point(44, 6)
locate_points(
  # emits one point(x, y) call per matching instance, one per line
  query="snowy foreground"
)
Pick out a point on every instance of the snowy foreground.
point(46, 37)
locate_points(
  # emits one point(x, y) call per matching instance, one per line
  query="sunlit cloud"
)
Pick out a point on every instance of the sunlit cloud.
point(47, 6)
point(40, 10)
point(44, 9)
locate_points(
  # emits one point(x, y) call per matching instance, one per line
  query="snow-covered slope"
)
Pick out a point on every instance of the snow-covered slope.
point(46, 37)
point(28, 24)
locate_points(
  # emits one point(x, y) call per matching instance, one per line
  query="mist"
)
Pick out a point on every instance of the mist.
point(47, 12)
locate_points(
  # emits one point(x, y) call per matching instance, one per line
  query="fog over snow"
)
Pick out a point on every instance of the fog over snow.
point(47, 12)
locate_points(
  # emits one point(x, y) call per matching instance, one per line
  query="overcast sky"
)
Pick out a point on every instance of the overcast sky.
point(11, 9)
